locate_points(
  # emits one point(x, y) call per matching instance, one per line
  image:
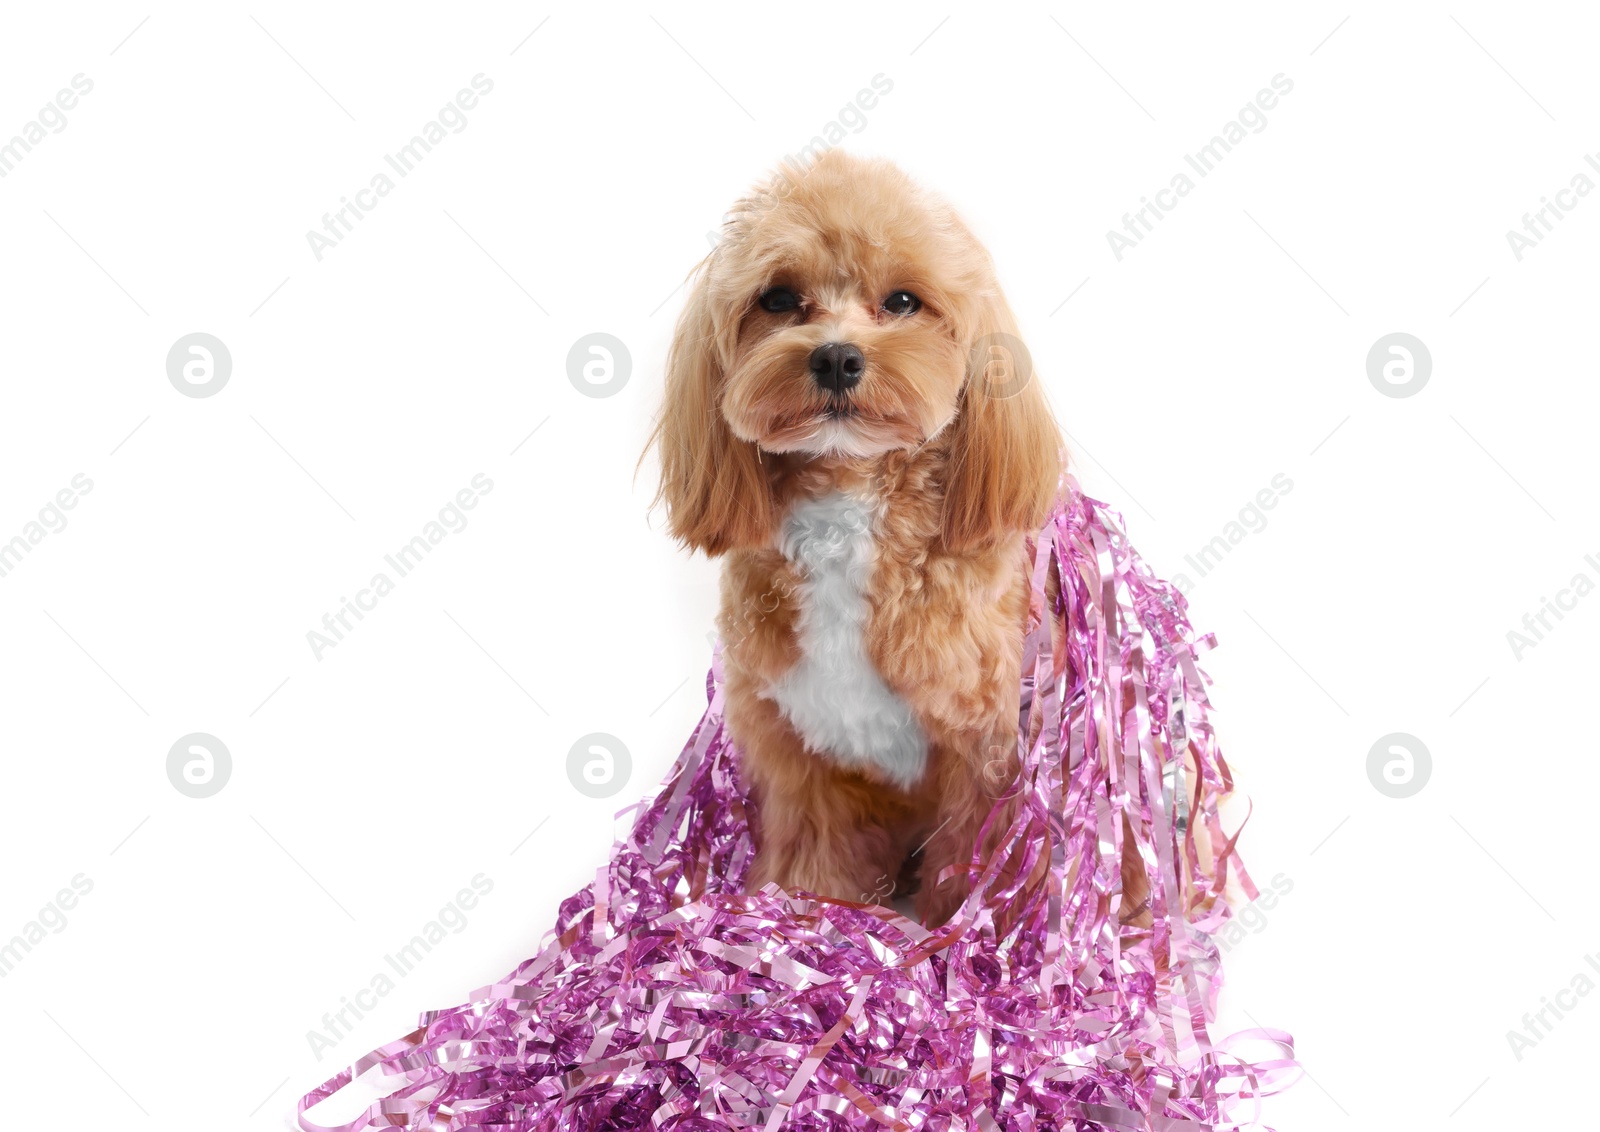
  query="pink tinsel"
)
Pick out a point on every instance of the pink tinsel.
point(666, 997)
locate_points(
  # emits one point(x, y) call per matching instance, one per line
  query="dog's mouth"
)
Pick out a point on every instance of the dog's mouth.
point(830, 423)
point(834, 411)
point(840, 428)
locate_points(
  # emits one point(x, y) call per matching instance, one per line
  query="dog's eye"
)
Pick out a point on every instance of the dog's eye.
point(902, 303)
point(779, 299)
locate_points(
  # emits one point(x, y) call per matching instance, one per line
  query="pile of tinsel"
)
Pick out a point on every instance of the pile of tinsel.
point(668, 998)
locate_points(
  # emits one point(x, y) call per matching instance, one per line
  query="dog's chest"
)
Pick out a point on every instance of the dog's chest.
point(834, 696)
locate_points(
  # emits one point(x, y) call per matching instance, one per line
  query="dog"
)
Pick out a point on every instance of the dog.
point(850, 423)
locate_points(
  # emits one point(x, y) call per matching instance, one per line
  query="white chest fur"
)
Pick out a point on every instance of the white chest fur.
point(834, 696)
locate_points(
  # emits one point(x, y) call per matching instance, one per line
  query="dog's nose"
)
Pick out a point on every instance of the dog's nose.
point(837, 366)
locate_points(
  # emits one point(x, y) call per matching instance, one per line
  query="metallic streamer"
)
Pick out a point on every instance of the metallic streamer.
point(668, 998)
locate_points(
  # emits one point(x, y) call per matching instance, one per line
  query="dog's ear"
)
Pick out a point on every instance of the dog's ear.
point(1005, 453)
point(715, 489)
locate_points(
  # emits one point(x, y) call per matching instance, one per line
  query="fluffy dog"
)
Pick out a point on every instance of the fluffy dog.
point(849, 425)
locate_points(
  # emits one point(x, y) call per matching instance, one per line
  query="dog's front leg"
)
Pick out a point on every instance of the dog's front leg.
point(821, 828)
point(972, 772)
point(949, 634)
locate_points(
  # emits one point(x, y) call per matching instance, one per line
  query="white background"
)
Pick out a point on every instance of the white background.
point(368, 388)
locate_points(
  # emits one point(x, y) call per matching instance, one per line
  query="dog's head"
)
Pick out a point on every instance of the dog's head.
point(847, 314)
